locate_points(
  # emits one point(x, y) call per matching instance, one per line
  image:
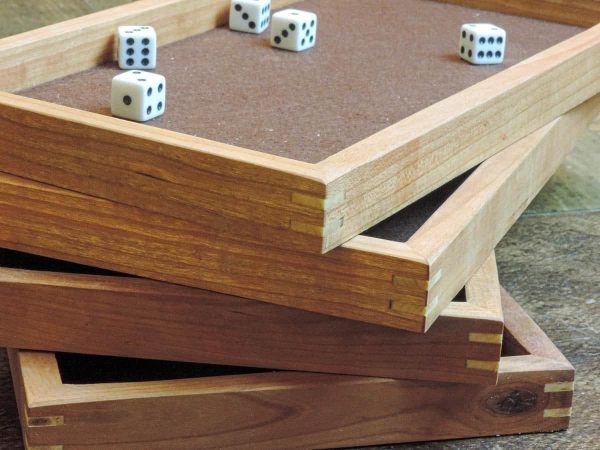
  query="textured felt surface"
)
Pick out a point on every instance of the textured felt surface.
point(402, 225)
point(375, 63)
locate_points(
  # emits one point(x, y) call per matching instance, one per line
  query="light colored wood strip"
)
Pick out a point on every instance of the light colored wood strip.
point(561, 386)
point(44, 447)
point(584, 13)
point(485, 338)
point(482, 365)
point(51, 421)
point(460, 131)
point(557, 412)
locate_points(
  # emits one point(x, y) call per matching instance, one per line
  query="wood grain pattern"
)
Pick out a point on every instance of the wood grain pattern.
point(238, 221)
point(494, 202)
point(341, 196)
point(387, 171)
point(368, 279)
point(113, 315)
point(585, 13)
point(277, 410)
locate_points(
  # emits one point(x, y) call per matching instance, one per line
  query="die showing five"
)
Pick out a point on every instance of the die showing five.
point(295, 30)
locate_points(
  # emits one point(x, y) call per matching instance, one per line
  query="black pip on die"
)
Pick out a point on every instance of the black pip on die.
point(137, 47)
point(482, 43)
point(138, 95)
point(251, 16)
point(292, 29)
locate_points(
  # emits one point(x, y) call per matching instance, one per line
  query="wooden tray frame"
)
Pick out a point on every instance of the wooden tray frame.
point(403, 285)
point(582, 13)
point(293, 409)
point(120, 316)
point(307, 207)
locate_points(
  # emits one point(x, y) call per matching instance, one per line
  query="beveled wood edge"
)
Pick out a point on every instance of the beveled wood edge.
point(526, 332)
point(225, 152)
point(483, 295)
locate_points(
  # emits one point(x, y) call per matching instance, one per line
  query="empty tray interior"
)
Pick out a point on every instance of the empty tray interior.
point(89, 369)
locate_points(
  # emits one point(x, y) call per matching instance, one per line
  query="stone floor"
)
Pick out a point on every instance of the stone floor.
point(549, 261)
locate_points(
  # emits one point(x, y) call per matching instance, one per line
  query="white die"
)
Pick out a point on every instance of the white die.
point(251, 16)
point(138, 95)
point(137, 47)
point(292, 29)
point(482, 43)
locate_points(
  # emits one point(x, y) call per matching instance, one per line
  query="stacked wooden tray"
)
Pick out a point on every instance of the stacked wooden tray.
point(359, 257)
point(216, 408)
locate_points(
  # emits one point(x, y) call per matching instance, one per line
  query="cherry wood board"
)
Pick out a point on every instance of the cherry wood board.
point(399, 283)
point(54, 306)
point(277, 409)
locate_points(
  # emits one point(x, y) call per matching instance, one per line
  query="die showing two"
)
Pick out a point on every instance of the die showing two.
point(291, 29)
point(138, 95)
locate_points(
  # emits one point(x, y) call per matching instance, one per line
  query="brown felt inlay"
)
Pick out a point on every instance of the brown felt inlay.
point(402, 225)
point(375, 63)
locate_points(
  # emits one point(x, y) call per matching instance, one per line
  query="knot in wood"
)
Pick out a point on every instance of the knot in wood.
point(516, 401)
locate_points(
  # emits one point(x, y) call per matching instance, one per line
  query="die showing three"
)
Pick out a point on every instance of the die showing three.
point(295, 30)
point(250, 16)
point(138, 95)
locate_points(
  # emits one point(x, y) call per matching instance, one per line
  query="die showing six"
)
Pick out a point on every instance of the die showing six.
point(137, 47)
point(482, 43)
